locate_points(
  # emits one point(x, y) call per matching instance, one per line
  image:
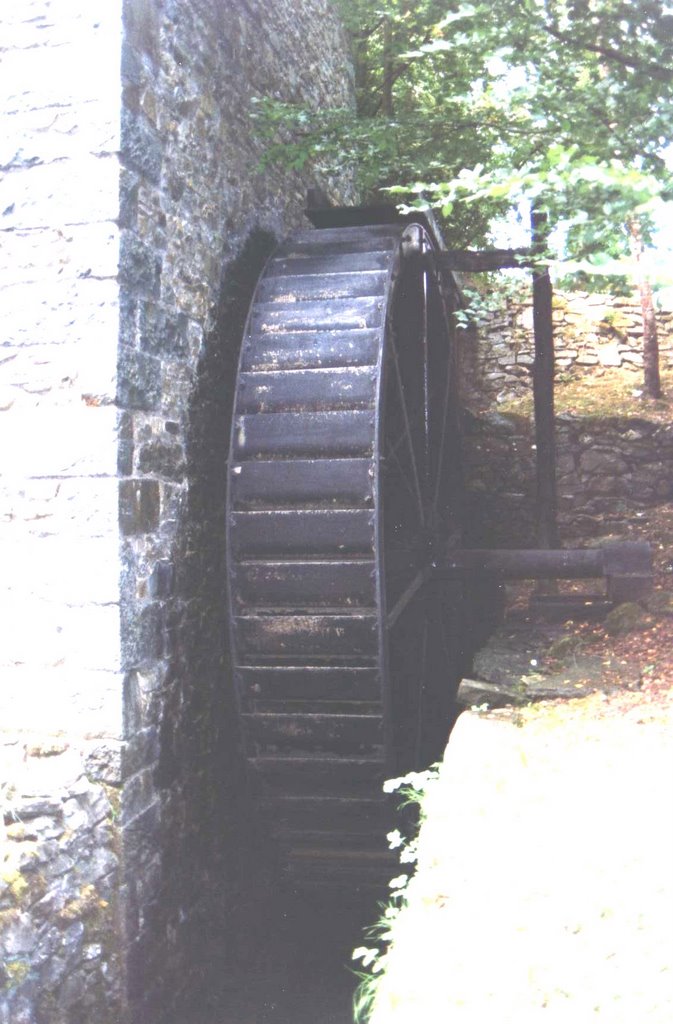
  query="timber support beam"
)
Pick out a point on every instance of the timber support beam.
point(626, 567)
point(474, 261)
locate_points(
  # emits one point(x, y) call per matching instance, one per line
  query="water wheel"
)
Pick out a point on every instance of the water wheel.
point(344, 486)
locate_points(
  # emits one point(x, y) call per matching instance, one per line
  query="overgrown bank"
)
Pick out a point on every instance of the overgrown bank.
point(542, 885)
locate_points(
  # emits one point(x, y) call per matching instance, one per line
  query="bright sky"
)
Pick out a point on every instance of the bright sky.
point(515, 233)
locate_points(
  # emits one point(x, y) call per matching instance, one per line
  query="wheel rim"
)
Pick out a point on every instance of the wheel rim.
point(419, 473)
point(339, 490)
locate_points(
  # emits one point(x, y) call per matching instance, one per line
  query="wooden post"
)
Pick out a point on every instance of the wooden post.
point(629, 560)
point(543, 392)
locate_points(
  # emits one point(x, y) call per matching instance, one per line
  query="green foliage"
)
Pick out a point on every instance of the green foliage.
point(474, 107)
point(626, 618)
point(491, 293)
point(580, 97)
point(372, 957)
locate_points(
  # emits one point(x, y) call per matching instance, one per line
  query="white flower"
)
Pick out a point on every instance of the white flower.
point(414, 780)
point(367, 955)
point(395, 839)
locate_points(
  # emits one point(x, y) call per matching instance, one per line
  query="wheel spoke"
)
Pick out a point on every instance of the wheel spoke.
point(392, 455)
point(442, 443)
point(425, 346)
point(407, 595)
point(407, 433)
point(440, 332)
point(422, 682)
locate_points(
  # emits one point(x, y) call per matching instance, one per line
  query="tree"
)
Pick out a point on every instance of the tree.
point(476, 107)
point(567, 104)
point(411, 122)
point(652, 378)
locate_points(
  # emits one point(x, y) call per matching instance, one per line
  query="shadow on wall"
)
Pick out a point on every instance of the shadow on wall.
point(210, 859)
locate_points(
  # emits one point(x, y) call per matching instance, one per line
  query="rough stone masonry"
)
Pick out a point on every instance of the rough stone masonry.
point(607, 466)
point(134, 219)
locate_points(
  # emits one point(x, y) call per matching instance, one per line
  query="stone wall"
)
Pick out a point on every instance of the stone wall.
point(134, 222)
point(608, 467)
point(199, 219)
point(59, 914)
point(60, 695)
point(590, 332)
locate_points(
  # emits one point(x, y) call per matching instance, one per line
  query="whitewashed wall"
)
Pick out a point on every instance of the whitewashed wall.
point(60, 686)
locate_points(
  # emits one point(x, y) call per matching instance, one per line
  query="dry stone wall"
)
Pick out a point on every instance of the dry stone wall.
point(607, 470)
point(607, 467)
point(590, 332)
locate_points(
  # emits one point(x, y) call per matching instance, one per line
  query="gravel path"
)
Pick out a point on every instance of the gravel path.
point(544, 889)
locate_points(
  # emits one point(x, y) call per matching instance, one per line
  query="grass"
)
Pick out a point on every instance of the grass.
point(372, 957)
point(604, 393)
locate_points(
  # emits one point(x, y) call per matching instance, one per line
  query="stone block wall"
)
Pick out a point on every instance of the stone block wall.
point(607, 467)
point(134, 221)
point(198, 218)
point(60, 678)
point(590, 332)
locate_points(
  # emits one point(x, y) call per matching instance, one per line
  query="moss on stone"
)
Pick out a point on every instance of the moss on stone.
point(660, 603)
point(564, 647)
point(16, 831)
point(47, 747)
point(8, 917)
point(625, 618)
point(114, 795)
point(16, 884)
point(84, 905)
point(16, 972)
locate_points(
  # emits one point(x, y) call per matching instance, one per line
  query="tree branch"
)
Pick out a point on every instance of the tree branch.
point(394, 73)
point(365, 33)
point(658, 71)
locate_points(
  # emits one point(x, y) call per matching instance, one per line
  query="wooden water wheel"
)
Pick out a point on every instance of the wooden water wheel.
point(344, 487)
